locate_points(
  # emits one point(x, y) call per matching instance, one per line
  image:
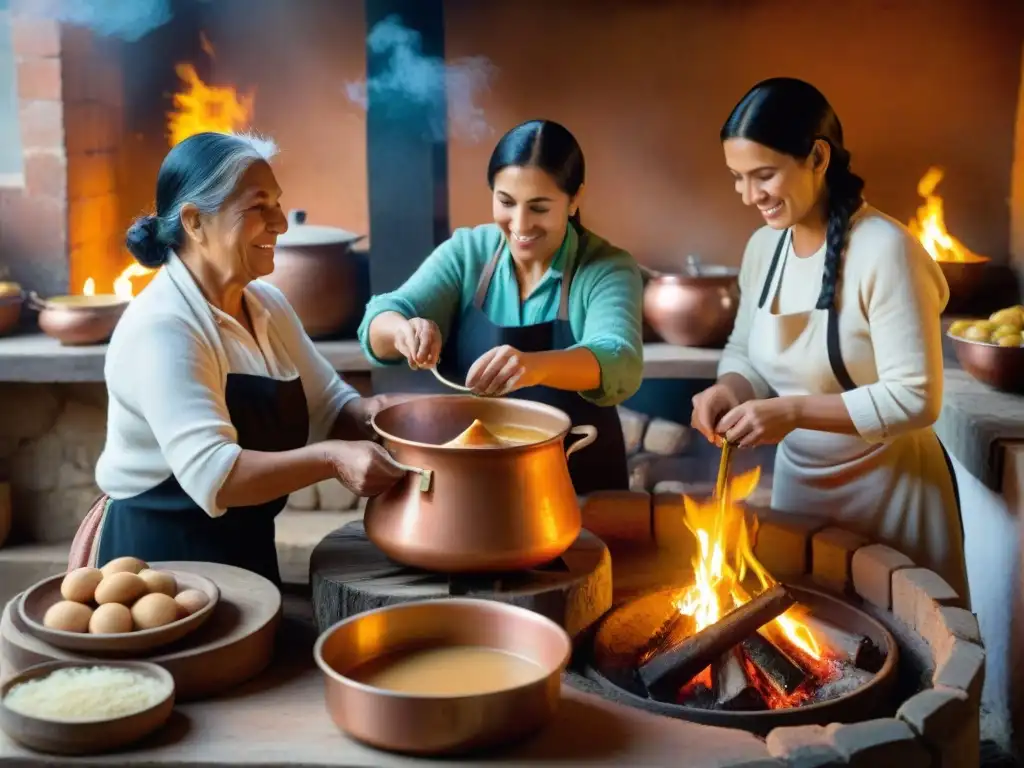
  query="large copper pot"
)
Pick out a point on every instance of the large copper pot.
point(316, 270)
point(79, 320)
point(474, 509)
point(693, 308)
point(435, 725)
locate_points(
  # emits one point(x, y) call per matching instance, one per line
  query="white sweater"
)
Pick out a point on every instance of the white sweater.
point(166, 370)
point(890, 298)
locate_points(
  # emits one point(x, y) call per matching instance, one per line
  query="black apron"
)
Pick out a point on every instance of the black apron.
point(164, 523)
point(598, 467)
point(835, 358)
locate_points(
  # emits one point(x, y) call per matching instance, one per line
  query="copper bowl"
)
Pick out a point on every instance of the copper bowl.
point(79, 320)
point(963, 279)
point(695, 308)
point(435, 725)
point(1000, 367)
point(469, 509)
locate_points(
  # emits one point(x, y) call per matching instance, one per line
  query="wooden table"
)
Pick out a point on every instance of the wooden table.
point(280, 719)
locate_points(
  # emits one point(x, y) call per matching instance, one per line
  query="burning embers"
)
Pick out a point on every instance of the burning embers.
point(735, 640)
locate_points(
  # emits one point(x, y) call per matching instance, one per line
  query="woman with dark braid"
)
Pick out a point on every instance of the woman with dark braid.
point(836, 355)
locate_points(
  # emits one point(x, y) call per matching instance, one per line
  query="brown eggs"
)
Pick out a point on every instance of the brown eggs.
point(124, 565)
point(125, 595)
point(160, 581)
point(68, 616)
point(122, 587)
point(191, 600)
point(154, 610)
point(80, 584)
point(111, 619)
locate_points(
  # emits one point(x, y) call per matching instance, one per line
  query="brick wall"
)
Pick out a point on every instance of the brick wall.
point(94, 135)
point(33, 218)
point(64, 224)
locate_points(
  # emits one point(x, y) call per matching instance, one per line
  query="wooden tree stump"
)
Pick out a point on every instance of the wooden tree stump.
point(349, 575)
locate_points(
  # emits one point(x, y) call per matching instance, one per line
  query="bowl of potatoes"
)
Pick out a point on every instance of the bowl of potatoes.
point(992, 350)
point(127, 607)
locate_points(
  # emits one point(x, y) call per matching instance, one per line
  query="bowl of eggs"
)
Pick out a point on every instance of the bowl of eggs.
point(126, 607)
point(992, 350)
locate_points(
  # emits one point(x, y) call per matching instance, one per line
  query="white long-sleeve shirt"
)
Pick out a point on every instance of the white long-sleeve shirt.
point(166, 371)
point(891, 294)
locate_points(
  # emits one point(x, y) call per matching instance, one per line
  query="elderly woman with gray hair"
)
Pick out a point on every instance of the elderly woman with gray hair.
point(219, 404)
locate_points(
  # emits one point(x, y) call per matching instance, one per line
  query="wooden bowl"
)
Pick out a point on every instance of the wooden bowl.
point(1000, 367)
point(444, 723)
point(85, 737)
point(36, 600)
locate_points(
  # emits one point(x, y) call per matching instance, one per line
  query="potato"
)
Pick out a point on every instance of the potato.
point(129, 564)
point(154, 610)
point(160, 581)
point(123, 587)
point(80, 584)
point(1009, 340)
point(68, 616)
point(978, 332)
point(958, 327)
point(1005, 330)
point(1009, 316)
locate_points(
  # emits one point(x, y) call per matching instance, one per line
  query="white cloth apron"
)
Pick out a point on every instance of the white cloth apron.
point(901, 492)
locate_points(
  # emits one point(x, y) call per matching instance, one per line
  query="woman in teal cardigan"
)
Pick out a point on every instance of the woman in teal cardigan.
point(533, 305)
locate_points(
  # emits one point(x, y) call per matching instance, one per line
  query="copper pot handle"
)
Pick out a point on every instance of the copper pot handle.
point(426, 475)
point(589, 435)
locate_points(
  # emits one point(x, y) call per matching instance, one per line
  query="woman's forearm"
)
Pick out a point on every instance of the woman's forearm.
point(822, 413)
point(574, 370)
point(262, 476)
point(383, 329)
point(741, 389)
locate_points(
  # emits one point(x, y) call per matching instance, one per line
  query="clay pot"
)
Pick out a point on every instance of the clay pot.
point(11, 302)
point(472, 510)
point(316, 270)
point(693, 308)
point(79, 320)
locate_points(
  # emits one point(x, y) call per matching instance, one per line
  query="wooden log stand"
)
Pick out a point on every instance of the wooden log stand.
point(349, 575)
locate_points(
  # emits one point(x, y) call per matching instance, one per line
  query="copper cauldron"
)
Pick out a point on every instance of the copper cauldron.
point(317, 271)
point(472, 509)
point(694, 308)
point(441, 724)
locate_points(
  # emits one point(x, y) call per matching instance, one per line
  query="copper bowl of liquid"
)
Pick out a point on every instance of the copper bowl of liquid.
point(450, 703)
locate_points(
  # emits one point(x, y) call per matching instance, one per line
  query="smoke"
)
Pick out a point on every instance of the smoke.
point(126, 19)
point(446, 92)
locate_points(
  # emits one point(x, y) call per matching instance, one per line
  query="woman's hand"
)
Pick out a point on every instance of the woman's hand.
point(758, 422)
point(709, 407)
point(502, 370)
point(419, 342)
point(363, 467)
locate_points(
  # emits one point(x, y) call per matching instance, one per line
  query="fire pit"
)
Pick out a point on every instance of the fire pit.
point(759, 683)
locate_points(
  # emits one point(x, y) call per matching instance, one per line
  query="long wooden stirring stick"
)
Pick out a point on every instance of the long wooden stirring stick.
point(724, 467)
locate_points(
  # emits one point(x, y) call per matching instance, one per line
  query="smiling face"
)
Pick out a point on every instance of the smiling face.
point(238, 240)
point(531, 211)
point(785, 189)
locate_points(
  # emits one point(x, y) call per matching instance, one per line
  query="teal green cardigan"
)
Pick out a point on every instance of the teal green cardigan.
point(605, 300)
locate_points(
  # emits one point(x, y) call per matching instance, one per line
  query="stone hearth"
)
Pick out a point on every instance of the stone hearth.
point(935, 722)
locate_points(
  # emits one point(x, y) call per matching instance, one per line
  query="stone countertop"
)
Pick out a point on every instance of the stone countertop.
point(280, 719)
point(38, 358)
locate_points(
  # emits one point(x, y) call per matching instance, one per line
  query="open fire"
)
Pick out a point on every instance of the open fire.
point(736, 639)
point(198, 107)
point(929, 225)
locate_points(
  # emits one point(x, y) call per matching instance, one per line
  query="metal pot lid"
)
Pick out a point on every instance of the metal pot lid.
point(301, 234)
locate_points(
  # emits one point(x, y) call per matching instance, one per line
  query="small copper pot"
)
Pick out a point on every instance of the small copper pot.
point(963, 279)
point(10, 312)
point(79, 320)
point(435, 725)
point(695, 308)
point(1000, 367)
point(316, 270)
point(470, 509)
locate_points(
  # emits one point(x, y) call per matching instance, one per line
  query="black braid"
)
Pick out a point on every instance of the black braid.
point(845, 190)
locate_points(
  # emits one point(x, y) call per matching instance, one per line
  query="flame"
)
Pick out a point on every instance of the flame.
point(929, 225)
point(200, 107)
point(723, 559)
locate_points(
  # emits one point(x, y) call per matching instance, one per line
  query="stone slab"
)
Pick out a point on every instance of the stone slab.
point(832, 551)
point(782, 541)
point(872, 568)
point(882, 743)
point(917, 593)
point(35, 357)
